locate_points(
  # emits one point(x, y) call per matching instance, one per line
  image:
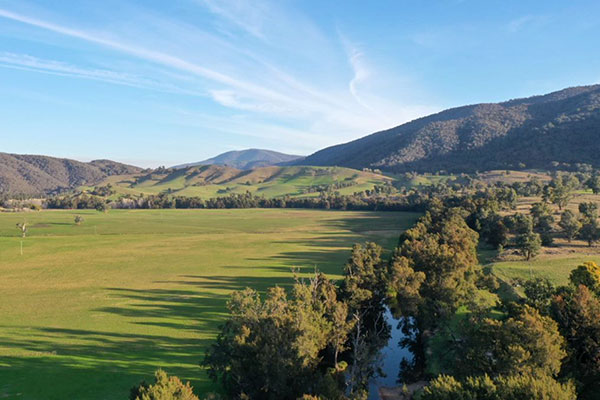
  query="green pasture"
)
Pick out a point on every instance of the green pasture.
point(88, 311)
point(269, 182)
point(557, 269)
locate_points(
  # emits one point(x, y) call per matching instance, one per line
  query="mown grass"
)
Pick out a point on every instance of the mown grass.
point(88, 311)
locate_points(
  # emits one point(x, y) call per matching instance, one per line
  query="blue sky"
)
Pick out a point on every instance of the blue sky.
point(155, 82)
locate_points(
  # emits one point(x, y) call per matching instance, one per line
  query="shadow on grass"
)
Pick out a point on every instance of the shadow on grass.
point(175, 325)
point(60, 363)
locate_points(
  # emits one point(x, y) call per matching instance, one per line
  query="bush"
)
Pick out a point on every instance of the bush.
point(502, 388)
point(164, 388)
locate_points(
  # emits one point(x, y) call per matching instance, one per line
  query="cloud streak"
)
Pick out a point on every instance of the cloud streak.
point(141, 52)
point(34, 64)
point(331, 103)
point(518, 24)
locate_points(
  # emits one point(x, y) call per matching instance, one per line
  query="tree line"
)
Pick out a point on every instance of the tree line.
point(333, 201)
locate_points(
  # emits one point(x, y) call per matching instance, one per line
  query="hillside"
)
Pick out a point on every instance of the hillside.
point(216, 180)
point(246, 159)
point(33, 175)
point(563, 126)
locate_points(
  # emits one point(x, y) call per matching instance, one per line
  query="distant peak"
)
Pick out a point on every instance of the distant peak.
point(246, 159)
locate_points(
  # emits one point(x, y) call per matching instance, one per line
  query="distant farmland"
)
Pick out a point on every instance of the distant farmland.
point(218, 181)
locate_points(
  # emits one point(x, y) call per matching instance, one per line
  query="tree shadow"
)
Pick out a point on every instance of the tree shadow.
point(95, 363)
point(178, 321)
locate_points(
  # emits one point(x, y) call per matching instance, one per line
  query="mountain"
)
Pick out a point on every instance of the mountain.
point(563, 126)
point(33, 175)
point(246, 159)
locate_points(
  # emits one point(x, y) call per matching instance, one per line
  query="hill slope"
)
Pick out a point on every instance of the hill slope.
point(563, 126)
point(33, 175)
point(246, 159)
point(216, 180)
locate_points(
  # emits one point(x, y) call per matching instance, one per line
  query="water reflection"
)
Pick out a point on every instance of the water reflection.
point(397, 352)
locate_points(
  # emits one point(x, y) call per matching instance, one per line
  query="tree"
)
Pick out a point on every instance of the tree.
point(594, 183)
point(342, 325)
point(23, 228)
point(546, 194)
point(569, 224)
point(501, 388)
point(102, 207)
point(539, 293)
point(542, 222)
point(497, 233)
point(365, 278)
point(164, 388)
point(587, 274)
point(78, 219)
point(526, 343)
point(274, 348)
point(590, 231)
point(522, 223)
point(443, 247)
point(404, 287)
point(577, 312)
point(589, 210)
point(538, 211)
point(560, 194)
point(529, 244)
point(491, 228)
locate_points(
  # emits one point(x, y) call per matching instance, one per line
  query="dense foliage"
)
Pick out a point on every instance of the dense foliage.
point(508, 387)
point(283, 346)
point(164, 388)
point(526, 343)
point(443, 249)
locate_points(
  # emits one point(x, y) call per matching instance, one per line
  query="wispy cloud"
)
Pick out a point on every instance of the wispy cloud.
point(520, 23)
point(35, 64)
point(255, 80)
point(249, 16)
point(144, 53)
point(361, 74)
point(242, 125)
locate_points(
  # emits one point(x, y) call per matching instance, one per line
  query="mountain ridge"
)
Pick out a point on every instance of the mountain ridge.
point(36, 174)
point(562, 126)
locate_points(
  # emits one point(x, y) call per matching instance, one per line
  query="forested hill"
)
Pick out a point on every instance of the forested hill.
point(563, 126)
point(32, 174)
point(246, 159)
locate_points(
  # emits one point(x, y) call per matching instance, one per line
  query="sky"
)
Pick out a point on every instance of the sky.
point(154, 82)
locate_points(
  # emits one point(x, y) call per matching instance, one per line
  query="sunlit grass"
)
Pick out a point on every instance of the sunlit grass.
point(87, 311)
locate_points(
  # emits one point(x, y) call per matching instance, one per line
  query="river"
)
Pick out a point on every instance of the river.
point(392, 354)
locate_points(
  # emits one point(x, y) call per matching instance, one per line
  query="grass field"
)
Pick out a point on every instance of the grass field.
point(554, 268)
point(88, 311)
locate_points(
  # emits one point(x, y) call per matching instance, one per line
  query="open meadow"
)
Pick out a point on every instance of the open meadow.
point(90, 310)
